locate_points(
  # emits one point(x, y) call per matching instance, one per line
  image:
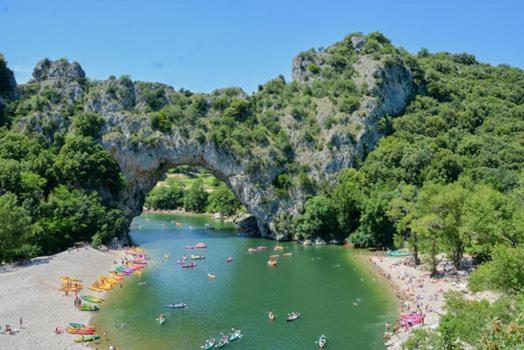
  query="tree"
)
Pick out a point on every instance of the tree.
point(492, 217)
point(440, 215)
point(223, 200)
point(504, 273)
point(318, 220)
point(88, 124)
point(376, 229)
point(401, 211)
point(15, 227)
point(168, 197)
point(195, 199)
point(347, 198)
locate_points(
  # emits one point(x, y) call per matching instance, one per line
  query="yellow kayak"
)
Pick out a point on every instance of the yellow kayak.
point(69, 279)
point(96, 289)
point(105, 286)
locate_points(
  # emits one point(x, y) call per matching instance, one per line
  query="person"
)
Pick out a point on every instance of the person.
point(114, 324)
point(388, 326)
point(104, 336)
point(20, 323)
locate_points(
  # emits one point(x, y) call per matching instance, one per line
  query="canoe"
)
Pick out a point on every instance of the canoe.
point(80, 326)
point(92, 299)
point(66, 279)
point(176, 306)
point(201, 245)
point(237, 334)
point(293, 317)
point(84, 339)
point(211, 276)
point(96, 289)
point(272, 263)
point(197, 257)
point(82, 331)
point(210, 343)
point(188, 266)
point(397, 253)
point(322, 341)
point(85, 307)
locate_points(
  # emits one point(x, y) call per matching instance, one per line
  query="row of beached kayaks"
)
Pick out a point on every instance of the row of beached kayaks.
point(104, 283)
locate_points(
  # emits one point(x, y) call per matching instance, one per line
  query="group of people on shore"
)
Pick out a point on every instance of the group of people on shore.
point(8, 329)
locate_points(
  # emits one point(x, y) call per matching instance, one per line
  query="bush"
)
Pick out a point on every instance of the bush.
point(349, 104)
point(88, 124)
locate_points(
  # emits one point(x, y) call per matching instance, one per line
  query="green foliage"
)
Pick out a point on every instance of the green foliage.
point(505, 272)
point(195, 199)
point(165, 197)
point(282, 184)
point(223, 200)
point(238, 110)
point(15, 229)
point(88, 124)
point(82, 163)
point(318, 220)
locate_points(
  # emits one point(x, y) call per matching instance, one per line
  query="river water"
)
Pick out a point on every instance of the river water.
point(323, 283)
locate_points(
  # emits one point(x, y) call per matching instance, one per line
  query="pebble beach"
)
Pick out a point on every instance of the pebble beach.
point(31, 292)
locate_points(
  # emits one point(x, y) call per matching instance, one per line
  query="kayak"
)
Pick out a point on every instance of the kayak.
point(237, 334)
point(81, 331)
point(272, 263)
point(80, 326)
point(176, 306)
point(322, 341)
point(92, 299)
point(66, 279)
point(96, 289)
point(161, 320)
point(201, 245)
point(84, 339)
point(397, 253)
point(197, 257)
point(211, 276)
point(85, 307)
point(229, 259)
point(210, 343)
point(293, 316)
point(187, 266)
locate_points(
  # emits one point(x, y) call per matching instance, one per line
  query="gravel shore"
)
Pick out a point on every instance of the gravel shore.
point(30, 292)
point(417, 291)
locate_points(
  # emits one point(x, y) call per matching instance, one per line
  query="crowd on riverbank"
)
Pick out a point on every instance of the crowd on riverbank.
point(419, 294)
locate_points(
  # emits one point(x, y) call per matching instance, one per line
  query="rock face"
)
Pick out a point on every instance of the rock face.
point(144, 154)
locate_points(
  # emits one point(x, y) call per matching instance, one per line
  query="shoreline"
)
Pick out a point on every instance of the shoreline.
point(31, 292)
point(415, 290)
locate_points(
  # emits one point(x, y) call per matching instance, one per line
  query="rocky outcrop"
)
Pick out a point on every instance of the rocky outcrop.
point(144, 154)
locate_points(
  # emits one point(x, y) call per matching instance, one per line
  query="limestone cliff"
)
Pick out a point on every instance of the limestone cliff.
point(273, 148)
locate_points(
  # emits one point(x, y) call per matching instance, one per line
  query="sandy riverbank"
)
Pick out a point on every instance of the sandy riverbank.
point(417, 291)
point(31, 292)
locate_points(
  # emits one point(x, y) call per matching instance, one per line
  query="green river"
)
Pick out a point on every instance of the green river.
point(322, 283)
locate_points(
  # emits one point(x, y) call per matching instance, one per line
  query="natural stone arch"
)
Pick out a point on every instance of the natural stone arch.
point(384, 82)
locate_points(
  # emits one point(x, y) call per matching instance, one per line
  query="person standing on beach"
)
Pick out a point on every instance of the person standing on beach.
point(21, 323)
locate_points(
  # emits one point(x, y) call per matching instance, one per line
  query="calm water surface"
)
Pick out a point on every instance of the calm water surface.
point(320, 282)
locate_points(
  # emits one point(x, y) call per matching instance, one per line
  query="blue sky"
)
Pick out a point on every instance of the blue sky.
point(203, 45)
